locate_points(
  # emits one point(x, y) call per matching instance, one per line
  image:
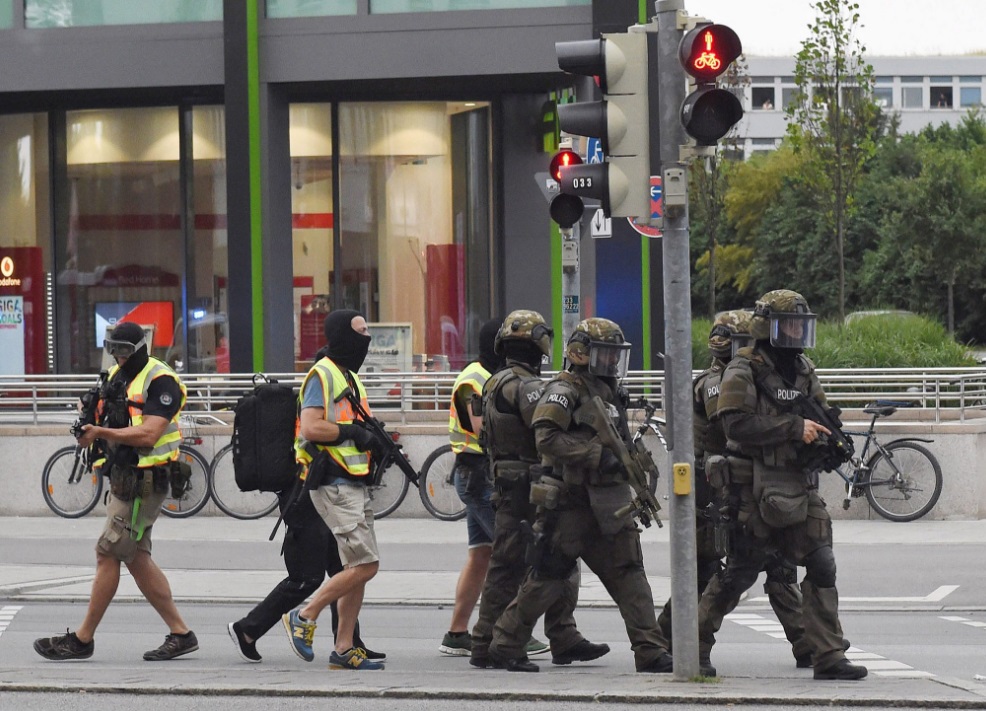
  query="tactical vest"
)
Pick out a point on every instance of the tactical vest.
point(472, 378)
point(507, 435)
point(166, 448)
point(774, 397)
point(708, 434)
point(339, 411)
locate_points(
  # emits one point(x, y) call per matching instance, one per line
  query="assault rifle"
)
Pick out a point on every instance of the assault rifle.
point(388, 450)
point(636, 459)
point(90, 405)
point(828, 451)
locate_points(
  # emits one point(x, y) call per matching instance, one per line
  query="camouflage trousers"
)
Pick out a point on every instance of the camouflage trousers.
point(749, 556)
point(504, 577)
point(618, 562)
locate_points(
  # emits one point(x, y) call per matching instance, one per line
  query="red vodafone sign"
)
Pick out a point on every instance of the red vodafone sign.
point(656, 210)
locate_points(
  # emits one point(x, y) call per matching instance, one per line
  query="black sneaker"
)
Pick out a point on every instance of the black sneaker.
point(175, 645)
point(370, 654)
point(63, 647)
point(247, 650)
point(583, 651)
point(842, 670)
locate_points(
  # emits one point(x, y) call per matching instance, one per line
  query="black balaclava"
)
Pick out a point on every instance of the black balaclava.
point(487, 355)
point(346, 347)
point(784, 359)
point(525, 352)
point(131, 333)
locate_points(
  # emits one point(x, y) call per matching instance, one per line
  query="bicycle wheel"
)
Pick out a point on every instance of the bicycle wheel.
point(389, 494)
point(231, 501)
point(436, 486)
point(197, 494)
point(69, 487)
point(906, 484)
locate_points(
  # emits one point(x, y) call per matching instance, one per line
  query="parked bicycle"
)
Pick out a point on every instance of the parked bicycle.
point(902, 480)
point(244, 505)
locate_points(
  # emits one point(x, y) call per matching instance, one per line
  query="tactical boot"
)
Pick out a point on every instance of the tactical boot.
point(842, 670)
point(514, 664)
point(705, 667)
point(583, 651)
point(662, 665)
point(803, 661)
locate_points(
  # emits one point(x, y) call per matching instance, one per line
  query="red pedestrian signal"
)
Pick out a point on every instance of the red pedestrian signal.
point(564, 158)
point(708, 50)
point(709, 112)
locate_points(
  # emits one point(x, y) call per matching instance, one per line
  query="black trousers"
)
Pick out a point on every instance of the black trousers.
point(310, 553)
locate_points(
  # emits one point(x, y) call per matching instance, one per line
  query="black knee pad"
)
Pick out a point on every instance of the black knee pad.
point(820, 567)
point(780, 571)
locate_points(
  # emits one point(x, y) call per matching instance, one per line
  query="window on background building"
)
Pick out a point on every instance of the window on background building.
point(970, 96)
point(912, 97)
point(941, 97)
point(6, 13)
point(763, 98)
point(121, 253)
point(884, 96)
point(413, 225)
point(310, 8)
point(390, 6)
point(788, 96)
point(25, 253)
point(82, 13)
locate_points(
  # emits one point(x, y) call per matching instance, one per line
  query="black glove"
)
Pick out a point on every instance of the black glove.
point(610, 464)
point(362, 438)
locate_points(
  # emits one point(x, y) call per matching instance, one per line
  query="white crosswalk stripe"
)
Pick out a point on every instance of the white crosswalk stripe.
point(965, 621)
point(875, 663)
point(7, 613)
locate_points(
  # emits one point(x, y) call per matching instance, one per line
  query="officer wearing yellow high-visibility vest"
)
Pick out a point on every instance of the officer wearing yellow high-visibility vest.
point(474, 486)
point(139, 408)
point(335, 446)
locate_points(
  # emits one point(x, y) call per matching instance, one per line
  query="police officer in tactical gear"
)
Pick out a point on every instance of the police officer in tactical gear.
point(509, 400)
point(141, 439)
point(581, 496)
point(714, 496)
point(779, 509)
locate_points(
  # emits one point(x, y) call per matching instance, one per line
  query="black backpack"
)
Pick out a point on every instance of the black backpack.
point(263, 437)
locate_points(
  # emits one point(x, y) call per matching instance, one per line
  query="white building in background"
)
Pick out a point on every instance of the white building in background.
point(921, 90)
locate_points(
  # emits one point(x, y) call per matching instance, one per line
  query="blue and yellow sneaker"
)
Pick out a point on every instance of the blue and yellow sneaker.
point(353, 660)
point(301, 634)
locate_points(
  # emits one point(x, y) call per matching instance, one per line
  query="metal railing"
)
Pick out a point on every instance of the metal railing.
point(42, 399)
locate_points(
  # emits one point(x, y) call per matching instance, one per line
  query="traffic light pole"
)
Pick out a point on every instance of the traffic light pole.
point(571, 285)
point(670, 84)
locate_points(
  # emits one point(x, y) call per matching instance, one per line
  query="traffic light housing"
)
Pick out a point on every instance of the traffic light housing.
point(620, 121)
point(709, 112)
point(564, 158)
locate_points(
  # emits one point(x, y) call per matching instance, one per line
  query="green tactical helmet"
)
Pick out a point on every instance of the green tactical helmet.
point(602, 340)
point(730, 332)
point(523, 325)
point(783, 317)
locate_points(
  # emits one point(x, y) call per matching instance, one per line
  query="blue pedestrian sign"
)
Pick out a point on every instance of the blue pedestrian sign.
point(594, 151)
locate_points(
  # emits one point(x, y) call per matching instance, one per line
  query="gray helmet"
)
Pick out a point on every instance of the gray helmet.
point(730, 332)
point(602, 341)
point(524, 325)
point(783, 317)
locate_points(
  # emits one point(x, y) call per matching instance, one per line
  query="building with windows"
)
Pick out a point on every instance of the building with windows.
point(226, 171)
point(920, 90)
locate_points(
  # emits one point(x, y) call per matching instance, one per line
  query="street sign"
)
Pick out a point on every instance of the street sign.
point(547, 184)
point(601, 225)
point(594, 151)
point(656, 210)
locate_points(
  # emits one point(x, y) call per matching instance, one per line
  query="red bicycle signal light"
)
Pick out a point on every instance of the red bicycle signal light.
point(708, 50)
point(563, 159)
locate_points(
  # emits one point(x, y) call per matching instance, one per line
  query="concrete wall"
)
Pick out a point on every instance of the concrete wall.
point(959, 447)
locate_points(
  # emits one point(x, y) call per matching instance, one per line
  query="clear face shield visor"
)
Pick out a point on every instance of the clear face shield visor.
point(740, 340)
point(792, 330)
point(609, 360)
point(122, 349)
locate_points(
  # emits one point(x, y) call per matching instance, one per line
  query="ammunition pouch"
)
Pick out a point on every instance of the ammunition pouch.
point(740, 470)
point(717, 471)
point(179, 477)
point(782, 495)
point(125, 482)
point(547, 492)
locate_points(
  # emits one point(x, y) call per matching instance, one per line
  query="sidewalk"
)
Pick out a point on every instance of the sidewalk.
point(412, 675)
